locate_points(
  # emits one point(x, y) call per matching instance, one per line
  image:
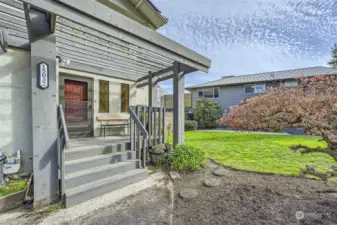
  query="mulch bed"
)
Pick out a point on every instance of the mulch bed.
point(249, 198)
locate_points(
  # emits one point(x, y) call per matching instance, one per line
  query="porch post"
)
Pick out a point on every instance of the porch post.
point(178, 105)
point(44, 111)
point(150, 97)
point(150, 89)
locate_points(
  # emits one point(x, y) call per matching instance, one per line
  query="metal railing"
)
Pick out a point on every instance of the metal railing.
point(138, 144)
point(62, 144)
point(147, 128)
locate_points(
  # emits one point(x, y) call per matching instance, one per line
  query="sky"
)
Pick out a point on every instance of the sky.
point(251, 36)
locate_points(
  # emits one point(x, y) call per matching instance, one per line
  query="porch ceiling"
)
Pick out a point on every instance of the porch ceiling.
point(97, 43)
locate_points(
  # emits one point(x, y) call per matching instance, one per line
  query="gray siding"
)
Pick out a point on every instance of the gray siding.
point(229, 95)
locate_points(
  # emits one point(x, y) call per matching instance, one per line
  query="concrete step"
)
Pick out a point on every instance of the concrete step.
point(81, 151)
point(86, 176)
point(99, 160)
point(79, 128)
point(81, 134)
point(94, 189)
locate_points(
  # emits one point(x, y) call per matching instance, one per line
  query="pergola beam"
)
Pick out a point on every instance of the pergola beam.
point(160, 72)
point(130, 73)
point(91, 68)
point(78, 29)
point(103, 13)
point(15, 4)
point(120, 26)
point(108, 48)
point(144, 80)
point(113, 73)
point(105, 60)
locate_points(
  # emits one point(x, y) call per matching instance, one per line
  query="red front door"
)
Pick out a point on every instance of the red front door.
point(76, 100)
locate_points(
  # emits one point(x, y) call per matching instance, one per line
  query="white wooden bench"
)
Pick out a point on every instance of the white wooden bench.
point(111, 121)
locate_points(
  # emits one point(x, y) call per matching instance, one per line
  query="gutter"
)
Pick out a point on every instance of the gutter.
point(146, 5)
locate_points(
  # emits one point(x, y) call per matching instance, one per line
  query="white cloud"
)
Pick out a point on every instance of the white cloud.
point(248, 36)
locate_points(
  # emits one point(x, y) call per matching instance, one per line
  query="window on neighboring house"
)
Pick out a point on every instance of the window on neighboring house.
point(255, 88)
point(260, 88)
point(289, 84)
point(216, 92)
point(103, 96)
point(124, 97)
point(209, 92)
point(249, 88)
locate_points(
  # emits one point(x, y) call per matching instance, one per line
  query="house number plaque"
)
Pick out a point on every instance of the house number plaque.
point(43, 75)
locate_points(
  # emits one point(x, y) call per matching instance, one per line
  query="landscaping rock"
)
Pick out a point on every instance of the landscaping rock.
point(211, 182)
point(174, 175)
point(188, 193)
point(221, 172)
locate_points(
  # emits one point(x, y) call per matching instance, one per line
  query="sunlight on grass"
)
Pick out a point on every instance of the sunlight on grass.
point(12, 187)
point(264, 153)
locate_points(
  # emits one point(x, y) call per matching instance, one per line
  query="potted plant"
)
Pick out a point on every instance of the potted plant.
point(158, 151)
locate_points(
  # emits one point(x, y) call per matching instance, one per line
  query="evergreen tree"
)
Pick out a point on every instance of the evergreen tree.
point(333, 61)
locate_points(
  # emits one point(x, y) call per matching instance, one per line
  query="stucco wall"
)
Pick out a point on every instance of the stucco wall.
point(138, 96)
point(15, 105)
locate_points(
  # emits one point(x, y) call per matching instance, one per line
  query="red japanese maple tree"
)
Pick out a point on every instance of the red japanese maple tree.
point(311, 106)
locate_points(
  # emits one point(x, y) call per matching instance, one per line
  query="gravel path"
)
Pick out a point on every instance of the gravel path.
point(249, 198)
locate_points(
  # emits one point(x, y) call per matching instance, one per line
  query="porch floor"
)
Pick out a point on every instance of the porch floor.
point(95, 141)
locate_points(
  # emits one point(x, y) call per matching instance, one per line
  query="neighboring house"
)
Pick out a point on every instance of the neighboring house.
point(97, 61)
point(167, 102)
point(231, 90)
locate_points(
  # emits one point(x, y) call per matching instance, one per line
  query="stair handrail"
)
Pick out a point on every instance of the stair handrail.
point(63, 143)
point(143, 132)
point(139, 124)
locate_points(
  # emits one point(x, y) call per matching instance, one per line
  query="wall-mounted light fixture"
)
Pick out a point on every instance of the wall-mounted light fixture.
point(64, 61)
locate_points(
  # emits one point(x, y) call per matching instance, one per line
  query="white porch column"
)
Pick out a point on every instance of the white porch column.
point(178, 105)
point(44, 110)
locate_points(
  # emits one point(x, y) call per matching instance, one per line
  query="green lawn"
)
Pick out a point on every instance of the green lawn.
point(260, 152)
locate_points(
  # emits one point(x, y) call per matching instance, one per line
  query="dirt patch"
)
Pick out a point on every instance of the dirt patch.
point(248, 198)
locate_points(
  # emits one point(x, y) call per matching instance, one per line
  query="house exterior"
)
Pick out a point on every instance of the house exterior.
point(167, 101)
point(85, 95)
point(231, 90)
point(63, 65)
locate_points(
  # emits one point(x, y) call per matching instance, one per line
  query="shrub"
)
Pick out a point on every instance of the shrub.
point(185, 158)
point(207, 112)
point(191, 125)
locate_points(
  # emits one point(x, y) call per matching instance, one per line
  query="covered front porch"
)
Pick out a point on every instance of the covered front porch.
point(89, 41)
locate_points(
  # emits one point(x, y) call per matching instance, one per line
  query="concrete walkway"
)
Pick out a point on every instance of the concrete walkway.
point(239, 131)
point(147, 202)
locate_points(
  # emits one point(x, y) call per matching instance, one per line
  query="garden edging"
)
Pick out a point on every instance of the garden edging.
point(12, 201)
